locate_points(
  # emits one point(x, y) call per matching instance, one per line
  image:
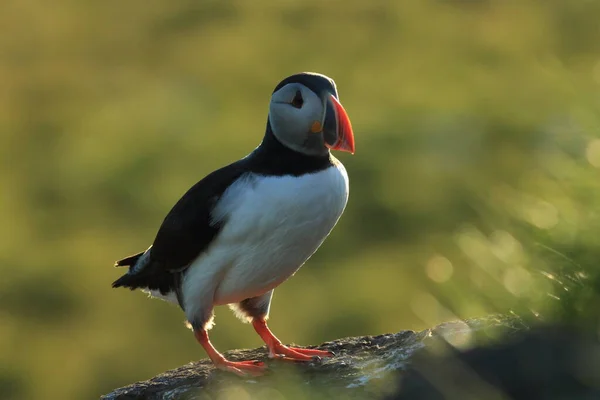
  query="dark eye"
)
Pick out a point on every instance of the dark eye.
point(297, 101)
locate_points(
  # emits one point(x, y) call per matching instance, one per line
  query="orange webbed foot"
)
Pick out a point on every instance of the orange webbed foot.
point(282, 352)
point(242, 368)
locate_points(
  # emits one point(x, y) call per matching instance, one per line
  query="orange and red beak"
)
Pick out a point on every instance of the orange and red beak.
point(337, 129)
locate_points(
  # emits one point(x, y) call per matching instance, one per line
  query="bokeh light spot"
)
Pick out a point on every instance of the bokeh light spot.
point(473, 244)
point(542, 214)
point(439, 269)
point(592, 152)
point(460, 336)
point(505, 246)
point(234, 393)
point(517, 280)
point(270, 393)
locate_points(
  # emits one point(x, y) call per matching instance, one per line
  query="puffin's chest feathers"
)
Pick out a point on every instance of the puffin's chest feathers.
point(272, 225)
point(267, 206)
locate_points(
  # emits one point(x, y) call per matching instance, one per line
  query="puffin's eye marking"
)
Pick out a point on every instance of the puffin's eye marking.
point(316, 127)
point(297, 101)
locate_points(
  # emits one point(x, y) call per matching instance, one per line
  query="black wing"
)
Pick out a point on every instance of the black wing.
point(186, 231)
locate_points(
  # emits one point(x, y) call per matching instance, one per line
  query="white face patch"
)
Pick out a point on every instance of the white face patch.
point(294, 126)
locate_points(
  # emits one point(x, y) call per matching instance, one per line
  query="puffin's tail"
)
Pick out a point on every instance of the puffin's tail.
point(128, 280)
point(144, 274)
point(129, 261)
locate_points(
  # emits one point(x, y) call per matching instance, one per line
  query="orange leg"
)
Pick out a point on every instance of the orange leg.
point(278, 350)
point(241, 368)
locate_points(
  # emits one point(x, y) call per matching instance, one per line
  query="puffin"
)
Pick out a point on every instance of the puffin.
point(244, 229)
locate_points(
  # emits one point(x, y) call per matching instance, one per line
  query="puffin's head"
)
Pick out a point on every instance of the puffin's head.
point(306, 115)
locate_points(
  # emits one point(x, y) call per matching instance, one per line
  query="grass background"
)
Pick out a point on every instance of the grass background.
point(474, 188)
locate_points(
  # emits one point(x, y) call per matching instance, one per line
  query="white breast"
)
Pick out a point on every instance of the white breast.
point(272, 226)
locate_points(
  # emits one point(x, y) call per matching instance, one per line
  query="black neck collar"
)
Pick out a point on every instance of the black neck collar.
point(273, 158)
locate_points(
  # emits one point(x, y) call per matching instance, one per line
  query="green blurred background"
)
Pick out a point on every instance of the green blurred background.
point(474, 188)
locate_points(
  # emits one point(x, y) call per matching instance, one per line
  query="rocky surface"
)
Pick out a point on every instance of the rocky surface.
point(364, 367)
point(546, 362)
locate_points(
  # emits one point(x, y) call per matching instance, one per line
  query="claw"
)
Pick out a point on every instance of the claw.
point(242, 368)
point(297, 354)
point(280, 351)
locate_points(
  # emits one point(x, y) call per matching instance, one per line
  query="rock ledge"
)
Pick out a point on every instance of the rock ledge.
point(362, 368)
